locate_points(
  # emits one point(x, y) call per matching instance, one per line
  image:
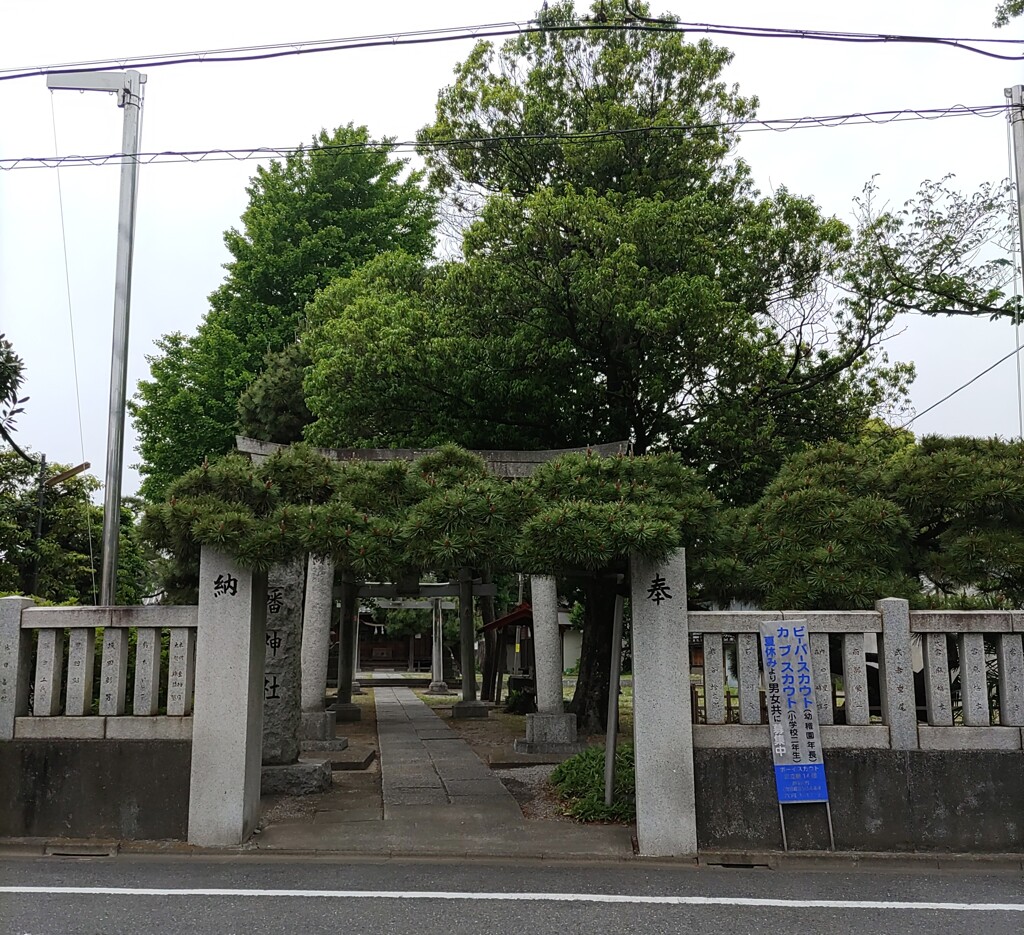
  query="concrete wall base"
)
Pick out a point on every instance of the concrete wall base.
point(123, 789)
point(346, 713)
point(468, 709)
point(306, 777)
point(317, 725)
point(547, 746)
point(882, 800)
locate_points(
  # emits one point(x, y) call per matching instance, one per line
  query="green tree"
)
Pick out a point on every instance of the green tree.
point(12, 376)
point(63, 557)
point(964, 498)
point(273, 407)
point(634, 285)
point(540, 85)
point(1008, 10)
point(844, 525)
point(316, 215)
point(824, 536)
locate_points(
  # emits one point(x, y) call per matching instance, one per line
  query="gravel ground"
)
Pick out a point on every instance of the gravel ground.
point(531, 789)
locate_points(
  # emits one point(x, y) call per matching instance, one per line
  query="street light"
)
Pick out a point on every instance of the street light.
point(41, 503)
point(129, 87)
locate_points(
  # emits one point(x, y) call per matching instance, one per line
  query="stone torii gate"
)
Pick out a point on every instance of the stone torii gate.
point(318, 723)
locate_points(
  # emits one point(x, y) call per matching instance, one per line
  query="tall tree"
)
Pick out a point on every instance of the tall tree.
point(59, 564)
point(317, 214)
point(273, 407)
point(1008, 10)
point(12, 376)
point(632, 285)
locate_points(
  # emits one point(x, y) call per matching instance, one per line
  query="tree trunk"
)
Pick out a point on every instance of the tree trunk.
point(590, 702)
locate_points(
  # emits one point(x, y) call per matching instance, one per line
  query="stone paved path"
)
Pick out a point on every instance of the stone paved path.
point(436, 798)
point(424, 762)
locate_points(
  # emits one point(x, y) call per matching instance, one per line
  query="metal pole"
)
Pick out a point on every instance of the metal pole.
point(1016, 96)
point(131, 100)
point(613, 703)
point(41, 504)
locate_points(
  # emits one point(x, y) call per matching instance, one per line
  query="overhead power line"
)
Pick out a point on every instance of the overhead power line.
point(779, 125)
point(974, 379)
point(253, 53)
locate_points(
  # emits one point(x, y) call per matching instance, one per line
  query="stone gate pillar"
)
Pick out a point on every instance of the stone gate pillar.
point(666, 818)
point(227, 725)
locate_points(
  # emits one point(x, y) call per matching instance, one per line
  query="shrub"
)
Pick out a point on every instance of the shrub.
point(520, 701)
point(580, 784)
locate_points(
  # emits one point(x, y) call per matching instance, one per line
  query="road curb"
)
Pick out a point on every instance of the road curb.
point(706, 860)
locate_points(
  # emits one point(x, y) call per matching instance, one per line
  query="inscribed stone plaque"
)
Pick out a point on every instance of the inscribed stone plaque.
point(282, 708)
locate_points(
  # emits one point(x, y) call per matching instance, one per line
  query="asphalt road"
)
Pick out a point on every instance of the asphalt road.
point(252, 894)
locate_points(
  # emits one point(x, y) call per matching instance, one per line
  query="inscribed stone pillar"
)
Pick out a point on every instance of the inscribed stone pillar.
point(227, 725)
point(317, 724)
point(14, 664)
point(547, 644)
point(316, 632)
point(438, 686)
point(282, 684)
point(551, 729)
point(666, 820)
point(899, 706)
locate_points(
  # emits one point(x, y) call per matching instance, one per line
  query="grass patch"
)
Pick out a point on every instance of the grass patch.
point(580, 785)
point(436, 701)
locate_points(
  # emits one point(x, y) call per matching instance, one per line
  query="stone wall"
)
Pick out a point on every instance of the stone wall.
point(117, 789)
point(882, 800)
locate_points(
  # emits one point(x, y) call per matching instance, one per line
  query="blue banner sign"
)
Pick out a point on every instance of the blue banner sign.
point(793, 712)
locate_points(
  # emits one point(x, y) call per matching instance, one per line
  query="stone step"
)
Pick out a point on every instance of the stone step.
point(356, 756)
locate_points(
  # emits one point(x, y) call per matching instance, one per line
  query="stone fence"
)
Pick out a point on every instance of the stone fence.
point(188, 682)
point(48, 657)
point(896, 679)
point(921, 719)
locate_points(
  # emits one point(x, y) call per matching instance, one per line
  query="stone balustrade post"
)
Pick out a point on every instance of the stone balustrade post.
point(14, 664)
point(896, 678)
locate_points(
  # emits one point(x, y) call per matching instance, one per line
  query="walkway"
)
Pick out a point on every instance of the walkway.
point(424, 762)
point(436, 797)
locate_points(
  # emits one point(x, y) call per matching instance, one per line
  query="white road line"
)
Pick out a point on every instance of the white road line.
point(524, 897)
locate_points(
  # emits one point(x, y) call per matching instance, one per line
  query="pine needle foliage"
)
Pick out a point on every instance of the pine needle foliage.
point(438, 514)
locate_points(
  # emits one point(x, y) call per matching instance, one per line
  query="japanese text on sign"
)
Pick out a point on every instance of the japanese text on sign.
point(225, 584)
point(792, 712)
point(659, 590)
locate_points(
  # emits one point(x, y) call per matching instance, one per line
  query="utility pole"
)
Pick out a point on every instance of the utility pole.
point(129, 87)
point(1015, 95)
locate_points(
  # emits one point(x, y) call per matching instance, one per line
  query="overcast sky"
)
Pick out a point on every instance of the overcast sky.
point(184, 209)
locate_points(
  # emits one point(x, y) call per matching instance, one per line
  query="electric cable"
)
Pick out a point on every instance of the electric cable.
point(504, 30)
point(963, 386)
point(780, 125)
point(74, 350)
